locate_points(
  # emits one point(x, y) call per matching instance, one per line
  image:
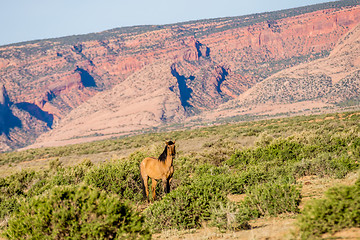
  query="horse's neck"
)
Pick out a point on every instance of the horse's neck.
point(169, 160)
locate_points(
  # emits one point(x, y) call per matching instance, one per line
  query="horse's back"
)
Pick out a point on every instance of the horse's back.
point(148, 160)
point(151, 167)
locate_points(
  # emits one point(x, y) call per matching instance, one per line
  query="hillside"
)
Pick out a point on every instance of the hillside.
point(77, 87)
point(330, 82)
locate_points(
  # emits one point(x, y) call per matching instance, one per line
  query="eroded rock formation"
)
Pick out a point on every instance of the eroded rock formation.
point(207, 62)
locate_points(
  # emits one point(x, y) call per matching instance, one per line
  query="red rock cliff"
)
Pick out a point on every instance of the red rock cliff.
point(225, 56)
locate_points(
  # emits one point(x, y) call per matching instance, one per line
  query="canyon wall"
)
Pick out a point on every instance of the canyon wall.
point(204, 63)
point(331, 82)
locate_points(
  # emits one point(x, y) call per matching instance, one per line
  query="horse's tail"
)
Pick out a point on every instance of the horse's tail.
point(142, 183)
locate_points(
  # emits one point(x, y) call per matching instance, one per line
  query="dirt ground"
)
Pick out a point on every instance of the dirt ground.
point(270, 228)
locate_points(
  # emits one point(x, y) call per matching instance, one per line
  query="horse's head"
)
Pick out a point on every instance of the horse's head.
point(170, 148)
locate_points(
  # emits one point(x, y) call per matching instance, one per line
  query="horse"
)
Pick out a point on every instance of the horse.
point(158, 169)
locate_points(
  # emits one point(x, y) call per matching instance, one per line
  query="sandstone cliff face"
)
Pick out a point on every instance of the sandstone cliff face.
point(202, 64)
point(144, 100)
point(332, 81)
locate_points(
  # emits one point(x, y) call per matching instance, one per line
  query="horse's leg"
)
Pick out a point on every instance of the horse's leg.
point(166, 185)
point(146, 186)
point(168, 182)
point(153, 188)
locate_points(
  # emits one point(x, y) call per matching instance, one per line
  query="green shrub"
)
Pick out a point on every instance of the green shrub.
point(17, 184)
point(294, 157)
point(26, 184)
point(75, 213)
point(339, 209)
point(187, 206)
point(121, 177)
point(271, 199)
point(217, 152)
point(227, 180)
point(229, 217)
point(325, 164)
point(55, 164)
point(8, 205)
point(264, 139)
point(14, 188)
point(184, 167)
point(279, 151)
point(59, 176)
point(355, 147)
point(70, 175)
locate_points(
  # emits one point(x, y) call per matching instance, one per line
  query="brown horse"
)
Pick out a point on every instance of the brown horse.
point(158, 169)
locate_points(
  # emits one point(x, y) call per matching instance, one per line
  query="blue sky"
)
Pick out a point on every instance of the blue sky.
point(24, 20)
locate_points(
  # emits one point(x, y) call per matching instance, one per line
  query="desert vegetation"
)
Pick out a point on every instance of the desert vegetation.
point(263, 161)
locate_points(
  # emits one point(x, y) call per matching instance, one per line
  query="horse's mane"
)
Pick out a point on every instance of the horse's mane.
point(163, 156)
